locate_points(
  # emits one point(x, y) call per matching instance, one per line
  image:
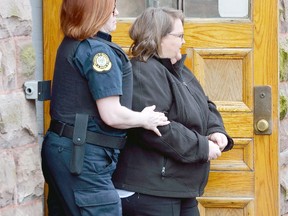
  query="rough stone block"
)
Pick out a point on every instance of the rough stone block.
point(283, 127)
point(18, 125)
point(30, 181)
point(16, 8)
point(26, 60)
point(30, 209)
point(7, 65)
point(8, 178)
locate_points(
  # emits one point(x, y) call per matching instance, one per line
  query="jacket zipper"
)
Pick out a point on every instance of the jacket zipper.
point(163, 171)
point(185, 84)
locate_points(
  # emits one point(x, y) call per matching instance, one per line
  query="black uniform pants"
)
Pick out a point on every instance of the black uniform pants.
point(145, 205)
point(91, 193)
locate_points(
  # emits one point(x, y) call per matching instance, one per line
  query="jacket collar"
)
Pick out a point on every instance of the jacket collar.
point(176, 68)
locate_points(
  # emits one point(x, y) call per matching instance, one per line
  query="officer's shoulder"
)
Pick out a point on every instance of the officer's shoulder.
point(93, 46)
point(99, 45)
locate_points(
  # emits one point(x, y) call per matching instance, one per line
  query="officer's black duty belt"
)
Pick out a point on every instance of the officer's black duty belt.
point(93, 138)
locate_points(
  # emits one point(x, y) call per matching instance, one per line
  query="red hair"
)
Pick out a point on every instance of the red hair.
point(81, 19)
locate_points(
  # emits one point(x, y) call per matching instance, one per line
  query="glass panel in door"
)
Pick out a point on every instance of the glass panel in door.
point(232, 9)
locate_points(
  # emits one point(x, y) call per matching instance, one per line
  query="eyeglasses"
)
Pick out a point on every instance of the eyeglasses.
point(181, 36)
point(114, 9)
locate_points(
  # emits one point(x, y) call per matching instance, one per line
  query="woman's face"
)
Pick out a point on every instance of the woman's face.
point(110, 25)
point(172, 42)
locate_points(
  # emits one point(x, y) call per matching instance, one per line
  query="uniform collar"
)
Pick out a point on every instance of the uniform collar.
point(104, 36)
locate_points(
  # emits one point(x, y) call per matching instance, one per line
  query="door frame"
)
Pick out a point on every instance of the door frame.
point(265, 44)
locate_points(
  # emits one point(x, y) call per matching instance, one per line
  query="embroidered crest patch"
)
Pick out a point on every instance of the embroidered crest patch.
point(101, 62)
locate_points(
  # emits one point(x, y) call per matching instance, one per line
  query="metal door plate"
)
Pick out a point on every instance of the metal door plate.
point(262, 109)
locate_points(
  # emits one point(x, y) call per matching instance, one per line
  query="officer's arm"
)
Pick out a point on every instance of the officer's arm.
point(118, 116)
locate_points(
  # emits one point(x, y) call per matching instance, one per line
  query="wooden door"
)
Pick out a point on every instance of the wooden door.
point(230, 58)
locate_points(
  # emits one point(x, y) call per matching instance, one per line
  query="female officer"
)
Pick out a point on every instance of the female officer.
point(90, 110)
point(167, 173)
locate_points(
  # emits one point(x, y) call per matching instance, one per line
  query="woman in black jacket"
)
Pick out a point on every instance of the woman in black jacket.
point(164, 175)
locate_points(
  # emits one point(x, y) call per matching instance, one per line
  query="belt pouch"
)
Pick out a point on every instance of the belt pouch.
point(79, 139)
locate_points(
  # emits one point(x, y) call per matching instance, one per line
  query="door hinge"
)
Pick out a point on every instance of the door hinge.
point(37, 90)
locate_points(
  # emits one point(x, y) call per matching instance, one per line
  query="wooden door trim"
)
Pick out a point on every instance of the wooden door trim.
point(219, 35)
point(266, 73)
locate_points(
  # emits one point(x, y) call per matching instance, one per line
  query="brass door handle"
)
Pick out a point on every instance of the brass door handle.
point(262, 125)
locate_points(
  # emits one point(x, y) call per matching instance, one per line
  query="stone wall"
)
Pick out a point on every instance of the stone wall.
point(283, 97)
point(21, 181)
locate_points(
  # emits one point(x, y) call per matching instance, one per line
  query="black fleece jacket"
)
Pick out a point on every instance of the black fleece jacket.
point(175, 164)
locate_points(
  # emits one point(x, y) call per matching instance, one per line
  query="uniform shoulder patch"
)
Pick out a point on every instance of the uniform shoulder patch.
point(101, 62)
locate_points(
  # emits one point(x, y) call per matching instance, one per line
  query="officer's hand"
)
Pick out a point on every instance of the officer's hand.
point(153, 119)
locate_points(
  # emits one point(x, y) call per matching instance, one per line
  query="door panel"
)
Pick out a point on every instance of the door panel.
point(229, 207)
point(229, 57)
point(225, 75)
point(240, 159)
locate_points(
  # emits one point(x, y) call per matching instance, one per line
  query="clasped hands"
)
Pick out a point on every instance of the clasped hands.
point(217, 143)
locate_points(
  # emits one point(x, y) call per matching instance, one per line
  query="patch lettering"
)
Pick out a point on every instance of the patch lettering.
point(101, 62)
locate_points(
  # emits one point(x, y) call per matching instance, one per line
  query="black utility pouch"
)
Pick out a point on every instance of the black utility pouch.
point(79, 139)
